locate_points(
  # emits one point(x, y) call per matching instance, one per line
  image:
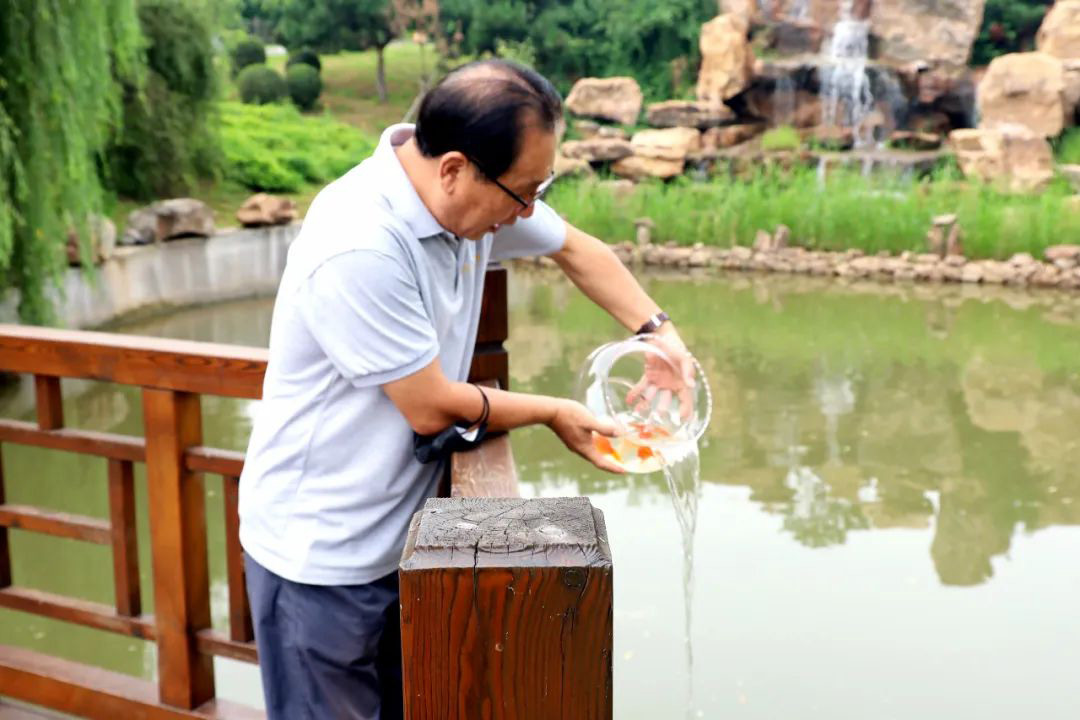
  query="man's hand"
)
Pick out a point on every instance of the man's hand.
point(575, 425)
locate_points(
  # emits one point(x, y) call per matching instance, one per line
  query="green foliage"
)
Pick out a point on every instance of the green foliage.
point(847, 211)
point(259, 85)
point(59, 102)
point(305, 85)
point(247, 52)
point(275, 148)
point(305, 56)
point(1068, 147)
point(657, 43)
point(784, 137)
point(1008, 26)
point(333, 25)
point(168, 138)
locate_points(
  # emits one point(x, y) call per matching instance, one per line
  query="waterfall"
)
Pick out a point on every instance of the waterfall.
point(846, 95)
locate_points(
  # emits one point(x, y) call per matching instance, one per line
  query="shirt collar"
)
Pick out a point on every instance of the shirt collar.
point(398, 189)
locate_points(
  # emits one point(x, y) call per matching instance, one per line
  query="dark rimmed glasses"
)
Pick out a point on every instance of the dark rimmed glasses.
point(539, 193)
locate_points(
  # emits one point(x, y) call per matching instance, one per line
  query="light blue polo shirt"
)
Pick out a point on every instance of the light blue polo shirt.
point(374, 290)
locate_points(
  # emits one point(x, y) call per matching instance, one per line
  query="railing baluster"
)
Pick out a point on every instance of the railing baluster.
point(178, 542)
point(5, 550)
point(125, 549)
point(239, 610)
point(50, 407)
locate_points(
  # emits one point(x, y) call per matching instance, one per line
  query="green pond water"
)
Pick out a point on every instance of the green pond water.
point(887, 519)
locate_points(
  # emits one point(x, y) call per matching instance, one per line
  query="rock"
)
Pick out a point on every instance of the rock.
point(944, 220)
point(934, 122)
point(1021, 258)
point(1012, 156)
point(781, 237)
point(637, 167)
point(610, 132)
point(597, 149)
point(688, 113)
point(571, 167)
point(801, 110)
point(730, 135)
point(587, 128)
point(643, 227)
point(937, 31)
point(954, 246)
point(726, 58)
point(796, 36)
point(615, 99)
point(1059, 34)
point(263, 209)
point(971, 273)
point(1062, 252)
point(101, 233)
point(1072, 89)
point(762, 241)
point(1024, 89)
point(1072, 174)
point(666, 144)
point(908, 140)
point(167, 219)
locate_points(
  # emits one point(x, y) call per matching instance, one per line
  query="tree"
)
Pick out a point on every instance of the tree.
point(1008, 26)
point(334, 25)
point(59, 102)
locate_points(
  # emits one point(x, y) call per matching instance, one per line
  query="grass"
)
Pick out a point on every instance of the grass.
point(784, 137)
point(848, 211)
point(1068, 147)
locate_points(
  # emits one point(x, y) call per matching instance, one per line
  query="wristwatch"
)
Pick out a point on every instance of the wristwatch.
point(653, 323)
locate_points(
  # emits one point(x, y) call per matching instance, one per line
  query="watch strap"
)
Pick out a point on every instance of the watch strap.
point(653, 323)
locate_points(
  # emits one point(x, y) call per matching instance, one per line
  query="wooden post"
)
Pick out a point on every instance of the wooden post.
point(125, 548)
point(178, 544)
point(490, 359)
point(506, 610)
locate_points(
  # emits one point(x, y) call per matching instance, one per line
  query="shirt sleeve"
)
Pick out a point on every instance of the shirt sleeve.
point(542, 233)
point(364, 309)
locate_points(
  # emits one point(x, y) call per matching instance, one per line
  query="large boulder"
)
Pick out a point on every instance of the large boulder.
point(1024, 89)
point(597, 149)
point(1059, 34)
point(687, 113)
point(1011, 156)
point(636, 167)
point(937, 31)
point(565, 166)
point(615, 99)
point(100, 232)
point(668, 144)
point(168, 219)
point(264, 209)
point(727, 62)
point(719, 138)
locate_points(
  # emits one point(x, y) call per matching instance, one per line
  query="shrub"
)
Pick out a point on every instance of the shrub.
point(305, 85)
point(260, 85)
point(275, 148)
point(1068, 147)
point(247, 52)
point(784, 137)
point(305, 56)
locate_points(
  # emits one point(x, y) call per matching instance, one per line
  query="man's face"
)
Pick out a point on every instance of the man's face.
point(480, 206)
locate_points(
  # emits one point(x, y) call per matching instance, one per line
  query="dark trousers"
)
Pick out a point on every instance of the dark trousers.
point(327, 652)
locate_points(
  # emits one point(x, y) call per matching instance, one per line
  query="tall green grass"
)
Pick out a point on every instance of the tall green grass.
point(845, 211)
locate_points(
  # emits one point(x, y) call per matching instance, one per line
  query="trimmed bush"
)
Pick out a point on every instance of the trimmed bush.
point(305, 85)
point(246, 53)
point(260, 85)
point(784, 137)
point(306, 56)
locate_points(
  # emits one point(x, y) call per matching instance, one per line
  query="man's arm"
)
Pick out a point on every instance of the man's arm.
point(595, 269)
point(430, 403)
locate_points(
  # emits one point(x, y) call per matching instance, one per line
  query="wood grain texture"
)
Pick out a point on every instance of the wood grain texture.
point(178, 547)
point(49, 402)
point(80, 612)
point(86, 442)
point(506, 611)
point(213, 460)
point(97, 694)
point(59, 524)
point(122, 535)
point(240, 629)
point(181, 365)
point(487, 471)
point(213, 642)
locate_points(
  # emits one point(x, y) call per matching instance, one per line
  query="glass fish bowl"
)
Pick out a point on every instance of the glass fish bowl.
point(659, 411)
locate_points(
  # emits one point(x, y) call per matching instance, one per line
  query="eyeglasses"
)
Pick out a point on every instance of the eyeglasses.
point(539, 193)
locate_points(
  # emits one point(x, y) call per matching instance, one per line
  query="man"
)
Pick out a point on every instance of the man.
point(370, 343)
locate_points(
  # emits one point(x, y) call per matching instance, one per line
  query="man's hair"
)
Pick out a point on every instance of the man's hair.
point(483, 109)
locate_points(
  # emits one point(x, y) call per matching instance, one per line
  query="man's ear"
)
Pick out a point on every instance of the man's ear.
point(452, 167)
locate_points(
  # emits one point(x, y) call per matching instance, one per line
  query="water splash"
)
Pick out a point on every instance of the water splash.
point(682, 471)
point(783, 106)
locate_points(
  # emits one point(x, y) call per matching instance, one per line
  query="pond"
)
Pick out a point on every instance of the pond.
point(887, 519)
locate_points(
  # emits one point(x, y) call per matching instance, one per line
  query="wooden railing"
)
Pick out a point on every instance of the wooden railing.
point(172, 376)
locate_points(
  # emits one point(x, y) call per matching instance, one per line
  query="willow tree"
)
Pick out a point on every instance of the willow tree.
point(60, 97)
